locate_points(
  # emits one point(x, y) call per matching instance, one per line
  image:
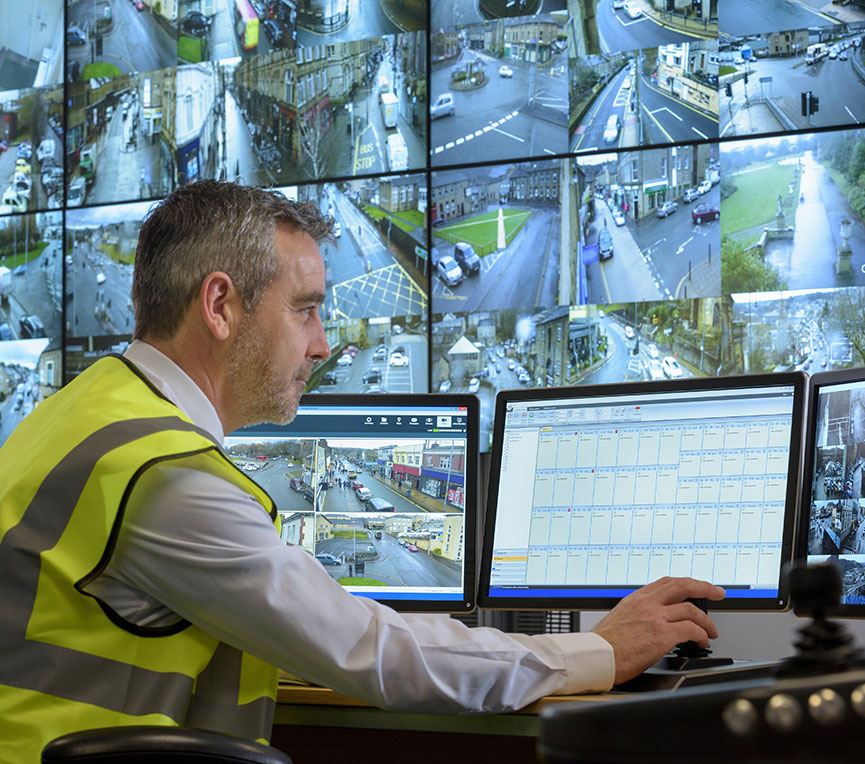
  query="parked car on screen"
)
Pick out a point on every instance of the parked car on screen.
point(327, 559)
point(633, 10)
point(629, 332)
point(344, 360)
point(398, 359)
point(328, 378)
point(618, 217)
point(449, 270)
point(652, 350)
point(468, 259)
point(46, 149)
point(445, 386)
point(506, 71)
point(474, 385)
point(690, 195)
point(667, 208)
point(705, 186)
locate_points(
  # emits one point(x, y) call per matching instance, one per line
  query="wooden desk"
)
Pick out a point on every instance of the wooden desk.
point(315, 725)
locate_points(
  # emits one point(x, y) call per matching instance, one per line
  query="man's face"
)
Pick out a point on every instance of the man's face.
point(278, 343)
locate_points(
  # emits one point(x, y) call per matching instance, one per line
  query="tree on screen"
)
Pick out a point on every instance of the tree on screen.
point(745, 271)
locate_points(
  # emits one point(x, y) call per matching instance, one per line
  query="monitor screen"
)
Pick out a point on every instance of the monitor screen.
point(596, 491)
point(833, 500)
point(380, 488)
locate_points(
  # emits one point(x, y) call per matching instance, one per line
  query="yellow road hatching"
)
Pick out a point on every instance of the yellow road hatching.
point(388, 291)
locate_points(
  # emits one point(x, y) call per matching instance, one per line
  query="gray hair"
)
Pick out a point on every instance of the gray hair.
point(205, 227)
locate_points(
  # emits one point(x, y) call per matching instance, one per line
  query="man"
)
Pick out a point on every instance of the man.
point(144, 580)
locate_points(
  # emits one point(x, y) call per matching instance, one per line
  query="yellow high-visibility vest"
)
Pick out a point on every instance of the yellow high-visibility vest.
point(67, 661)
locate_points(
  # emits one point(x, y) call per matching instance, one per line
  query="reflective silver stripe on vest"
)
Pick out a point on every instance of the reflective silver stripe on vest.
point(62, 671)
point(216, 698)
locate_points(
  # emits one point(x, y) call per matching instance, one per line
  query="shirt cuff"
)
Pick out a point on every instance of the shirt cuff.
point(590, 665)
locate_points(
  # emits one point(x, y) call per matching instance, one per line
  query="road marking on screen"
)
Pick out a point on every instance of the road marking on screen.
point(702, 135)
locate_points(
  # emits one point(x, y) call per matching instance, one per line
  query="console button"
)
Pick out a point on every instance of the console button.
point(857, 700)
point(783, 712)
point(741, 717)
point(826, 707)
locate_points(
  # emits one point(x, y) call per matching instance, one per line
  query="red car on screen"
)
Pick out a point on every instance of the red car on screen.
point(412, 548)
point(703, 212)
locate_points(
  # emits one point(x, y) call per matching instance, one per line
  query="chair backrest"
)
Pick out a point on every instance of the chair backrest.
point(157, 745)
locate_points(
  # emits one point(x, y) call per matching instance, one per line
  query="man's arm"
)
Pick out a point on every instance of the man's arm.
point(198, 547)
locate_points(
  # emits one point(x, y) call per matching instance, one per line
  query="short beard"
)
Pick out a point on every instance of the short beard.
point(259, 390)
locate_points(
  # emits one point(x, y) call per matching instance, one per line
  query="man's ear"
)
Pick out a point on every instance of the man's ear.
point(221, 304)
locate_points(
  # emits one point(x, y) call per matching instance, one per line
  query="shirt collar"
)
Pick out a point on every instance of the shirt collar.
point(176, 385)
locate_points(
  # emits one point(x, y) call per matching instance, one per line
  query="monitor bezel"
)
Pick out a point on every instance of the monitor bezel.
point(470, 513)
point(815, 384)
point(797, 380)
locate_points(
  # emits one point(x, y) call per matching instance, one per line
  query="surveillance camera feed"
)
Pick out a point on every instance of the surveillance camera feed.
point(381, 493)
point(525, 193)
point(835, 501)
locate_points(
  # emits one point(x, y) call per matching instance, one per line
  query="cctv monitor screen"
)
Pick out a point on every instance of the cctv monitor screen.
point(381, 489)
point(597, 491)
point(833, 500)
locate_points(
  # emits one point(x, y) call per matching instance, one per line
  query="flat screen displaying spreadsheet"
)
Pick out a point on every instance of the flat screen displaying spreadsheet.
point(598, 490)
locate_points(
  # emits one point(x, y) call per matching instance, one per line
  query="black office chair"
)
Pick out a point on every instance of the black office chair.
point(157, 745)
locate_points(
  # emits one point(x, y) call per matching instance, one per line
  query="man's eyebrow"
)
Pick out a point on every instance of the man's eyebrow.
point(309, 297)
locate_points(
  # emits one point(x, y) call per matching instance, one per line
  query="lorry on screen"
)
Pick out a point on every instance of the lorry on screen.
point(813, 53)
point(389, 107)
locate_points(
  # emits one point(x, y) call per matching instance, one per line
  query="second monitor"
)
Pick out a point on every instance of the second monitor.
point(596, 491)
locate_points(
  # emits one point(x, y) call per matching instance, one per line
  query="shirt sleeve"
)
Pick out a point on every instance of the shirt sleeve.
point(197, 546)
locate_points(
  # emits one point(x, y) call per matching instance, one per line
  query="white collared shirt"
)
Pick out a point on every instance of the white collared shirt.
point(192, 546)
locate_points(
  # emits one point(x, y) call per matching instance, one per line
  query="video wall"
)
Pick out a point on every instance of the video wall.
point(526, 192)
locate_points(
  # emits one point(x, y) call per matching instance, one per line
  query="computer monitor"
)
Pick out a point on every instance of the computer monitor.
point(833, 494)
point(596, 491)
point(381, 489)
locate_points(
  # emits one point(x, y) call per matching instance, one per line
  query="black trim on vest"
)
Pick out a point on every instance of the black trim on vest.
point(113, 615)
point(142, 376)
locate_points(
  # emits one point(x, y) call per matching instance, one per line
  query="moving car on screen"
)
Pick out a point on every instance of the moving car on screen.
point(443, 105)
point(703, 212)
point(672, 368)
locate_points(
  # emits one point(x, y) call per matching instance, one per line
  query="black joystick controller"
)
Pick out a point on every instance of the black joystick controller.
point(690, 655)
point(823, 645)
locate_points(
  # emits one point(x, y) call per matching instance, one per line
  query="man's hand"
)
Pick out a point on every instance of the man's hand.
point(647, 624)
